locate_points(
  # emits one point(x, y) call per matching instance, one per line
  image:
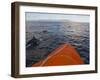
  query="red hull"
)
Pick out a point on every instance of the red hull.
point(65, 54)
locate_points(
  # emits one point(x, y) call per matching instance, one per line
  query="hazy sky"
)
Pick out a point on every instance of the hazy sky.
point(54, 16)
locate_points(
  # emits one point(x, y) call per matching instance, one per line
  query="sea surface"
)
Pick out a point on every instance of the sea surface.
point(50, 34)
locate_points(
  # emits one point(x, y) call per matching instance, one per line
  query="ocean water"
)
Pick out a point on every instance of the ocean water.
point(50, 34)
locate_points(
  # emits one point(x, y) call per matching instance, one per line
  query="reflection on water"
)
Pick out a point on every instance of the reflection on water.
point(50, 34)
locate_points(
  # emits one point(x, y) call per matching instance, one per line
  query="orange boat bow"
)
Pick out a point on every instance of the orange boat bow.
point(63, 55)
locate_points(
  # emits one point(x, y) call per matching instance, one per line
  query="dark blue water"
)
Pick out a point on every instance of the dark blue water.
point(52, 34)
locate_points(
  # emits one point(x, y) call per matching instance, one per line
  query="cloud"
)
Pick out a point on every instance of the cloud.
point(56, 16)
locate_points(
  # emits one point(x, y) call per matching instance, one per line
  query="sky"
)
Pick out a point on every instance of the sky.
point(56, 16)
